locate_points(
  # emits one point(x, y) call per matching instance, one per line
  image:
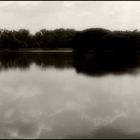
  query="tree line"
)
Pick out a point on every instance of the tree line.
point(97, 39)
point(43, 39)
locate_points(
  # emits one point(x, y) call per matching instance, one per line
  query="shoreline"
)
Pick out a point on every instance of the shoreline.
point(39, 50)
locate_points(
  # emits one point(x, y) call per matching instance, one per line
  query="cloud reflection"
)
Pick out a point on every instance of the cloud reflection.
point(57, 103)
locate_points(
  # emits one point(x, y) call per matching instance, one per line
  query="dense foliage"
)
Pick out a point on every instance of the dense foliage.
point(96, 39)
point(43, 39)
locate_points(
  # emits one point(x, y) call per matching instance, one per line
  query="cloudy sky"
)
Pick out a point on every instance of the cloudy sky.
point(34, 15)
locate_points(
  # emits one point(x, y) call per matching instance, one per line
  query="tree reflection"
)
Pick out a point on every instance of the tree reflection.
point(23, 60)
point(99, 64)
point(89, 63)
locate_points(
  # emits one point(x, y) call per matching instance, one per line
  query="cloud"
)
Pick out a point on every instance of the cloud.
point(28, 3)
point(60, 103)
point(69, 3)
point(108, 132)
point(14, 129)
point(35, 15)
point(5, 3)
point(19, 3)
point(67, 124)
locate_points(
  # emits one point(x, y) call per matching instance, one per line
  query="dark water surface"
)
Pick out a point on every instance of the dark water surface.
point(65, 95)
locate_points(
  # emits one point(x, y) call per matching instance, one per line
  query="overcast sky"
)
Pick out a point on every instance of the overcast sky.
point(34, 15)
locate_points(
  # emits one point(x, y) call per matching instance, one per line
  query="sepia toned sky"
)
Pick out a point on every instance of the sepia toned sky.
point(34, 15)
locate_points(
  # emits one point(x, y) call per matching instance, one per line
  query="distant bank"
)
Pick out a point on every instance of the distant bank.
point(66, 40)
point(61, 50)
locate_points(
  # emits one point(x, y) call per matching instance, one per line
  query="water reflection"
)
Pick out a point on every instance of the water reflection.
point(99, 64)
point(23, 60)
point(42, 96)
point(96, 64)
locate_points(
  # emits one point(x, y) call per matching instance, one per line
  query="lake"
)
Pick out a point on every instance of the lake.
point(60, 95)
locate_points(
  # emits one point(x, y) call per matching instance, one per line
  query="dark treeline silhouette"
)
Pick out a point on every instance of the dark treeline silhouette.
point(44, 39)
point(93, 39)
point(104, 41)
point(96, 51)
point(91, 64)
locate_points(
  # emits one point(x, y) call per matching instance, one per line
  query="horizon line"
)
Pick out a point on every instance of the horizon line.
point(67, 28)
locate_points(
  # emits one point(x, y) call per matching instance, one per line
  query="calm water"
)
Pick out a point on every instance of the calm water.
point(47, 96)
